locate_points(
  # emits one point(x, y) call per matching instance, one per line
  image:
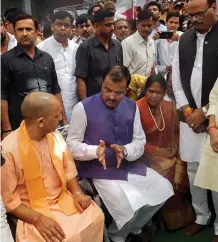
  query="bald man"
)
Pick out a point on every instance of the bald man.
point(40, 185)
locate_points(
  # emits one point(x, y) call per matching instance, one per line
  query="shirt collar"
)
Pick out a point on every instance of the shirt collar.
point(20, 51)
point(141, 40)
point(56, 43)
point(96, 41)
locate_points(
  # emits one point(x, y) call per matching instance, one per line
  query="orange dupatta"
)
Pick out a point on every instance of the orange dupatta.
point(33, 176)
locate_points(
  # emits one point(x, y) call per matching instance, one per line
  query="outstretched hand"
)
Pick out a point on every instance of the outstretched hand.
point(101, 154)
point(119, 150)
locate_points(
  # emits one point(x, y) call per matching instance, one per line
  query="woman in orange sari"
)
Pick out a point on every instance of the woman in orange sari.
point(160, 125)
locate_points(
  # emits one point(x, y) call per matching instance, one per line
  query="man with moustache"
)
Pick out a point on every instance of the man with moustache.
point(97, 55)
point(63, 52)
point(139, 48)
point(8, 41)
point(194, 75)
point(82, 24)
point(121, 29)
point(107, 140)
point(25, 69)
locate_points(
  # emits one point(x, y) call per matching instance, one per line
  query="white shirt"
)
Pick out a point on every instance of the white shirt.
point(161, 28)
point(82, 151)
point(12, 41)
point(191, 144)
point(139, 55)
point(122, 198)
point(65, 64)
point(165, 52)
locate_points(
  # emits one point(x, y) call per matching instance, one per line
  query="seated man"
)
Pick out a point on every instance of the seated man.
point(107, 140)
point(39, 180)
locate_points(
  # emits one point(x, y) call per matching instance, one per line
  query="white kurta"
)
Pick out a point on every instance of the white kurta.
point(165, 53)
point(122, 198)
point(191, 144)
point(65, 64)
point(208, 170)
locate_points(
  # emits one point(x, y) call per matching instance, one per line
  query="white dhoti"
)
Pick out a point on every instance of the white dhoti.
point(124, 198)
point(69, 93)
point(5, 229)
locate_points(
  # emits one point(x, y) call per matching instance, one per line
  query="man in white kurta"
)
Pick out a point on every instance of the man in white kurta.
point(130, 202)
point(63, 52)
point(191, 143)
point(207, 173)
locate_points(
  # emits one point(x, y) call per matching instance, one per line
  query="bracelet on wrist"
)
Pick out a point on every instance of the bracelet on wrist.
point(187, 111)
point(77, 194)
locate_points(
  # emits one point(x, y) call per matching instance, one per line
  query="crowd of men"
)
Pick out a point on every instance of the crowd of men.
point(137, 102)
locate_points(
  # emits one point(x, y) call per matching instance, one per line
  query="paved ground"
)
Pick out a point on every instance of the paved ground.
point(205, 236)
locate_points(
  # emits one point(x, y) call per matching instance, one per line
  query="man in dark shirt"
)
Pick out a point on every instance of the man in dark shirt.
point(25, 69)
point(97, 55)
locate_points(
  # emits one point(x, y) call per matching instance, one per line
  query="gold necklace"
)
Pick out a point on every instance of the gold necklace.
point(155, 120)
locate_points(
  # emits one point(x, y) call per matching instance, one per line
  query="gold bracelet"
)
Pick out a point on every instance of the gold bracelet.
point(77, 194)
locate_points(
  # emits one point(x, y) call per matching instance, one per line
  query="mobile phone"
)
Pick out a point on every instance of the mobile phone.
point(166, 35)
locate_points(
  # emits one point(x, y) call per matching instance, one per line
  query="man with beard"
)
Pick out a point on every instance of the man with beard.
point(63, 52)
point(25, 69)
point(121, 29)
point(8, 41)
point(155, 8)
point(107, 140)
point(97, 55)
point(82, 25)
point(139, 48)
point(194, 75)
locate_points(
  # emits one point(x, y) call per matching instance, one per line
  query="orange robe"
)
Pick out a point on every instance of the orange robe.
point(86, 227)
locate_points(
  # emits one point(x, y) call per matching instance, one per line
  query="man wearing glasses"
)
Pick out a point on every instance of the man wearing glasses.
point(195, 70)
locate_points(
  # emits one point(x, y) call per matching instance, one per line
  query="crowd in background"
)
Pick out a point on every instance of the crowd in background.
point(136, 101)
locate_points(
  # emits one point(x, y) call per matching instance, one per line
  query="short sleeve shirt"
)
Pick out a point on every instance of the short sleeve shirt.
point(93, 62)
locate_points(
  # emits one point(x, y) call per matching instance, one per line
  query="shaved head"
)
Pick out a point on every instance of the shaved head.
point(38, 104)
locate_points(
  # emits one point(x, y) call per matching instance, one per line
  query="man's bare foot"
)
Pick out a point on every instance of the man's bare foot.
point(193, 229)
point(215, 238)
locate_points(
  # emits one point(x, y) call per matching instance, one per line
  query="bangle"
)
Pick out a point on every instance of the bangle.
point(37, 221)
point(211, 127)
point(6, 131)
point(77, 194)
point(187, 111)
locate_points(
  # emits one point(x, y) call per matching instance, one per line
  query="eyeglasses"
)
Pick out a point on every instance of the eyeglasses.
point(198, 15)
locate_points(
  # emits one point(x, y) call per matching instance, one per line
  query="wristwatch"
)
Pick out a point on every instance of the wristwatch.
point(204, 109)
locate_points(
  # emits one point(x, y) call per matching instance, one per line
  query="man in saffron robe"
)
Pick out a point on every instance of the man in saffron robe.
point(39, 180)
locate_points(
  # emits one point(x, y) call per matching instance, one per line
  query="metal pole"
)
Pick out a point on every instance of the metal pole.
point(133, 9)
